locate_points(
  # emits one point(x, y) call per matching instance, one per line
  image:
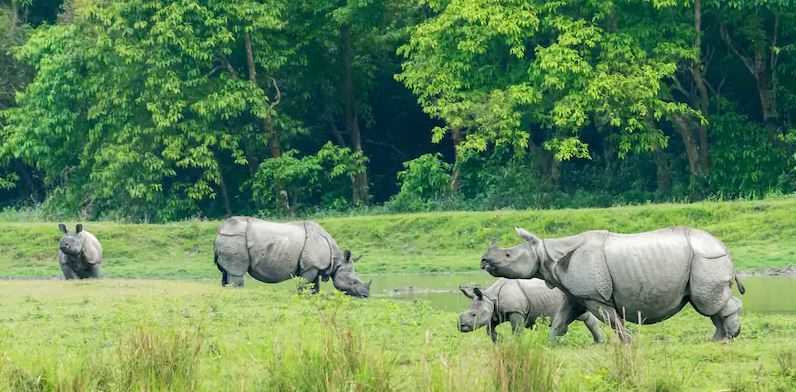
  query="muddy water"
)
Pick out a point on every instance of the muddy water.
point(763, 294)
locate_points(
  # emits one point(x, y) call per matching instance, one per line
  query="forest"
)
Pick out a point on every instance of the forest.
point(156, 110)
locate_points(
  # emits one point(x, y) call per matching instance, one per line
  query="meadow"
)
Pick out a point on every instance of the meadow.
point(119, 335)
point(758, 233)
point(172, 328)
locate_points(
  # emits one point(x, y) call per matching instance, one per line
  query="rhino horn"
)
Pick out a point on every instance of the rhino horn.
point(494, 243)
point(355, 259)
point(369, 282)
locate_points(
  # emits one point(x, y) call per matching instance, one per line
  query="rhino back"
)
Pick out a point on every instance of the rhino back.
point(534, 298)
point(650, 272)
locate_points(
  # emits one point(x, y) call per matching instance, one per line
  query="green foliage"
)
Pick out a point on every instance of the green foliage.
point(424, 179)
point(326, 175)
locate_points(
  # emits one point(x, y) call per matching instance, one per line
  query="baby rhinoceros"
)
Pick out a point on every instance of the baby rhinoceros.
point(79, 253)
point(519, 301)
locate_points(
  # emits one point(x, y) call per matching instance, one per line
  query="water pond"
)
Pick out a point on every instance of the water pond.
point(763, 294)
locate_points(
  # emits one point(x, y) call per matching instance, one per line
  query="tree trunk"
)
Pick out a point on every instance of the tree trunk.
point(224, 194)
point(456, 176)
point(685, 128)
point(697, 71)
point(663, 174)
point(359, 194)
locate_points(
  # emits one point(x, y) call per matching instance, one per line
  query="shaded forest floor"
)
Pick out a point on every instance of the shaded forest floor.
point(759, 234)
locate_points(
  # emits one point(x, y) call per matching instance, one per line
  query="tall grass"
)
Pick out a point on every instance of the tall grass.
point(523, 364)
point(159, 360)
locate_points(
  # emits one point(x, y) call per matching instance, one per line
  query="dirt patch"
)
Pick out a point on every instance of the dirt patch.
point(788, 270)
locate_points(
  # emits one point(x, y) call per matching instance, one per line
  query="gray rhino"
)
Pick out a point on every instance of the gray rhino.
point(519, 301)
point(79, 253)
point(644, 278)
point(274, 252)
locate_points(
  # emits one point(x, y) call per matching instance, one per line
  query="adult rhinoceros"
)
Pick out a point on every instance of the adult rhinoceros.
point(644, 278)
point(274, 252)
point(79, 254)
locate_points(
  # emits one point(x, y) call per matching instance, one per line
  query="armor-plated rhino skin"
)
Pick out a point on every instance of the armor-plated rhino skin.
point(274, 252)
point(644, 278)
point(79, 254)
point(519, 301)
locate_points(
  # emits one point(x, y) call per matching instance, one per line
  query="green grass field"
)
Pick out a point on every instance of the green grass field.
point(119, 335)
point(182, 332)
point(758, 234)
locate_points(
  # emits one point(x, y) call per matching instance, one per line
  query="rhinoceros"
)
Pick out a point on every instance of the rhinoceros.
point(79, 254)
point(519, 301)
point(643, 278)
point(274, 252)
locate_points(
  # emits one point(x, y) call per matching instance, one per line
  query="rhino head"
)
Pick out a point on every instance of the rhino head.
point(480, 312)
point(519, 262)
point(71, 243)
point(346, 279)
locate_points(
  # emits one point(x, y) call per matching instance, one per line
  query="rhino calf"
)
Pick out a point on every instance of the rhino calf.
point(519, 301)
point(274, 252)
point(79, 253)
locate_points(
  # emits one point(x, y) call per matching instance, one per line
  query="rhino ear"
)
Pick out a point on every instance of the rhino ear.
point(78, 228)
point(478, 293)
point(346, 255)
point(62, 227)
point(526, 235)
point(467, 293)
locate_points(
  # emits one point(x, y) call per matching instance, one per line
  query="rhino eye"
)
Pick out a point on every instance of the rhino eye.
point(507, 254)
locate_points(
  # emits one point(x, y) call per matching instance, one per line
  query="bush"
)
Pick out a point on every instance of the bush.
point(424, 181)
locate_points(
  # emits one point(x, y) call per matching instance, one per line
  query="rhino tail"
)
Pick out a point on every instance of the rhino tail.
point(741, 289)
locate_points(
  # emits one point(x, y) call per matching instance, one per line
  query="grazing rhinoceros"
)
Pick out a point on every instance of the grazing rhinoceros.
point(519, 301)
point(644, 278)
point(274, 252)
point(79, 253)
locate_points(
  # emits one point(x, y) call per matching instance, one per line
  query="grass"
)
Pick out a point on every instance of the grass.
point(118, 335)
point(758, 234)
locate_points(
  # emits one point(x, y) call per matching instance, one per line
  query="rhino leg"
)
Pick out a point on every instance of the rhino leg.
point(69, 273)
point(490, 330)
point(94, 272)
point(593, 324)
point(311, 279)
point(727, 321)
point(608, 314)
point(566, 314)
point(517, 322)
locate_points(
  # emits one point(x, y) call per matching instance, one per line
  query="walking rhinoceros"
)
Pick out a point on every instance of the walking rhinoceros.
point(79, 254)
point(644, 278)
point(519, 301)
point(274, 252)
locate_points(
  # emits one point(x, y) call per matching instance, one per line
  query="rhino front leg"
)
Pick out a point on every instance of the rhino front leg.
point(312, 280)
point(69, 273)
point(517, 322)
point(490, 330)
point(609, 315)
point(593, 324)
point(234, 280)
point(567, 313)
point(94, 271)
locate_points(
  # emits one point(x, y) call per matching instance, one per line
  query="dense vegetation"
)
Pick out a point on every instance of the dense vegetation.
point(117, 335)
point(154, 110)
point(758, 234)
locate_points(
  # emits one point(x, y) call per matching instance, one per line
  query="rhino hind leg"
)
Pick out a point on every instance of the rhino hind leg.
point(709, 286)
point(593, 324)
point(94, 271)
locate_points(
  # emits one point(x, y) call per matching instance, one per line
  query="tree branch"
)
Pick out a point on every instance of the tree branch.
point(747, 61)
point(278, 95)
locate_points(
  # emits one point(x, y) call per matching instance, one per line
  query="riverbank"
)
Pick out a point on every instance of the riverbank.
point(117, 335)
point(759, 234)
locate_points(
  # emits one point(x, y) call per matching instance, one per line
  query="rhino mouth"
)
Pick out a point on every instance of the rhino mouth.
point(465, 328)
point(488, 267)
